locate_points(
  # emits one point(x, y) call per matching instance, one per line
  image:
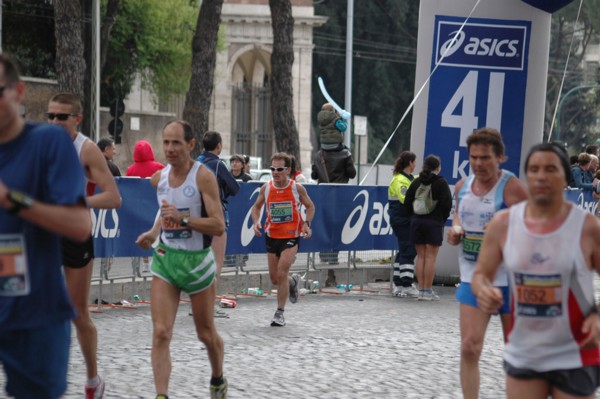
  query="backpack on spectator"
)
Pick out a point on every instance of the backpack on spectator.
point(424, 203)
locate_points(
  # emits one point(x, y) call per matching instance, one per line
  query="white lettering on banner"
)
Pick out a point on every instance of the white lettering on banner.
point(351, 232)
point(588, 206)
point(490, 47)
point(247, 231)
point(495, 46)
point(465, 98)
point(459, 170)
point(99, 228)
point(493, 116)
point(380, 221)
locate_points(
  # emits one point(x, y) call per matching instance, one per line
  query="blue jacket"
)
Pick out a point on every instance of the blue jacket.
point(581, 179)
point(227, 184)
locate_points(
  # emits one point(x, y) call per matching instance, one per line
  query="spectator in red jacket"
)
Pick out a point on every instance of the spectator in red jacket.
point(144, 164)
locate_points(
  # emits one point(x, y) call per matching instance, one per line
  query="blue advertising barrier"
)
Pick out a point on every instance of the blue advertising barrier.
point(347, 218)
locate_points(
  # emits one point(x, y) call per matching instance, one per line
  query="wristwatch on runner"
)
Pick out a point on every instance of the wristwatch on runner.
point(19, 201)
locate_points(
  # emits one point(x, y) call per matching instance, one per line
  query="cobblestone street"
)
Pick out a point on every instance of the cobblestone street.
point(354, 345)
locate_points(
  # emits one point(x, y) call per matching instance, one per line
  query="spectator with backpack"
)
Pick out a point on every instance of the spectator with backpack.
point(429, 199)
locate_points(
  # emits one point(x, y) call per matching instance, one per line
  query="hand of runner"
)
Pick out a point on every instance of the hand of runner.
point(145, 240)
point(489, 299)
point(256, 227)
point(591, 328)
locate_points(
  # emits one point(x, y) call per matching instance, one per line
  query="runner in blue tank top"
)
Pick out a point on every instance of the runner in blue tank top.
point(478, 197)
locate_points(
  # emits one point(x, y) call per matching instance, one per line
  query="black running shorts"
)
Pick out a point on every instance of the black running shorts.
point(278, 245)
point(77, 254)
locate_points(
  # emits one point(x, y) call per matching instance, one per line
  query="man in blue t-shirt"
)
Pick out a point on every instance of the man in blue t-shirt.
point(41, 199)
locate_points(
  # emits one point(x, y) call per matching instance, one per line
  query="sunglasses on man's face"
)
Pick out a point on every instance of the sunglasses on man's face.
point(60, 117)
point(279, 169)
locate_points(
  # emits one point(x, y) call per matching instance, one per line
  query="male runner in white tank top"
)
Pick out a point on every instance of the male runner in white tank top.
point(191, 214)
point(65, 109)
point(478, 196)
point(550, 249)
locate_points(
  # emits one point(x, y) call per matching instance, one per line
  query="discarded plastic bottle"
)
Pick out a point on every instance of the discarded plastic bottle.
point(255, 291)
point(314, 286)
point(343, 286)
point(136, 297)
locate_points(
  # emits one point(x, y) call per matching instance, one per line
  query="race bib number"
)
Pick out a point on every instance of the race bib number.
point(471, 245)
point(173, 231)
point(281, 212)
point(14, 277)
point(538, 295)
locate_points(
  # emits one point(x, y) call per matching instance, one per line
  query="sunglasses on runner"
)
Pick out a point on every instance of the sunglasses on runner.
point(279, 169)
point(60, 117)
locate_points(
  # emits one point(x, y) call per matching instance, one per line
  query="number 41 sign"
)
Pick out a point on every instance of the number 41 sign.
point(480, 82)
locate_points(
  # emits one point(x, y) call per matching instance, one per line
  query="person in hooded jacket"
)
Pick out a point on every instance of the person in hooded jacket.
point(331, 128)
point(144, 164)
point(427, 231)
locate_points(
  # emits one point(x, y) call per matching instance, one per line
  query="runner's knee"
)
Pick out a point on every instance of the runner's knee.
point(471, 348)
point(162, 334)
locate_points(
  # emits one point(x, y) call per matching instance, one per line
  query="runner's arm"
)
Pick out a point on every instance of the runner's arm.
point(514, 192)
point(214, 222)
point(453, 237)
point(256, 211)
point(146, 239)
point(71, 221)
point(590, 246)
point(489, 298)
point(310, 210)
point(109, 196)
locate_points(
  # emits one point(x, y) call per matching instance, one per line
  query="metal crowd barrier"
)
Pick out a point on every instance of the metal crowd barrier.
point(314, 266)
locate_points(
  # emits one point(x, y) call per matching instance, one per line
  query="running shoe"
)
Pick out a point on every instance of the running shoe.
point(398, 290)
point(96, 392)
point(219, 391)
point(410, 292)
point(278, 320)
point(294, 286)
point(429, 296)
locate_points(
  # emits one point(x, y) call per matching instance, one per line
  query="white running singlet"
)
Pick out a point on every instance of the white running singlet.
point(188, 201)
point(551, 295)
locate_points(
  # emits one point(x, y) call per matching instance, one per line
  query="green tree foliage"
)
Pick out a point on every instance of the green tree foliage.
point(154, 38)
point(151, 37)
point(384, 59)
